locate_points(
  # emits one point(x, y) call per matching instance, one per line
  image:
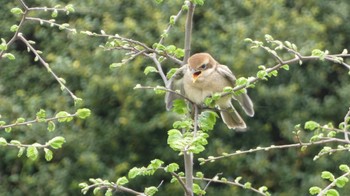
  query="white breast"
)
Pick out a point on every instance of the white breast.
point(204, 87)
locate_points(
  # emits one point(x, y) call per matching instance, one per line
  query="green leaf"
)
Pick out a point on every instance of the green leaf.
point(197, 189)
point(14, 28)
point(2, 123)
point(180, 106)
point(159, 90)
point(311, 125)
point(171, 72)
point(3, 141)
point(319, 53)
point(32, 152)
point(63, 116)
point(48, 154)
point(285, 67)
point(20, 151)
point(56, 142)
point(198, 2)
point(175, 140)
point(332, 192)
point(263, 189)
point(51, 126)
point(199, 175)
point(96, 190)
point(327, 175)
point(179, 52)
point(315, 190)
point(341, 181)
point(115, 65)
point(8, 129)
point(184, 124)
point(344, 168)
point(172, 167)
point(268, 38)
point(109, 192)
point(247, 185)
point(20, 120)
point(170, 49)
point(41, 114)
point(15, 142)
point(207, 120)
point(239, 178)
point(122, 181)
point(83, 113)
point(272, 73)
point(16, 11)
point(133, 172)
point(69, 8)
point(155, 164)
point(151, 190)
point(9, 56)
point(227, 89)
point(149, 69)
point(261, 74)
point(158, 1)
point(54, 13)
point(332, 134)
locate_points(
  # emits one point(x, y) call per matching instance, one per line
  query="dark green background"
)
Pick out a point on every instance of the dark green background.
point(129, 127)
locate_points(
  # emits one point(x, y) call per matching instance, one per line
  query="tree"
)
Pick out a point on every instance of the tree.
point(111, 102)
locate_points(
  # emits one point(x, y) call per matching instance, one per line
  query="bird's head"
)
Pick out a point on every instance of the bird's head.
point(200, 65)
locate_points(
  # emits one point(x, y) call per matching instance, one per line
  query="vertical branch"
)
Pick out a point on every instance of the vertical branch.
point(188, 31)
point(188, 156)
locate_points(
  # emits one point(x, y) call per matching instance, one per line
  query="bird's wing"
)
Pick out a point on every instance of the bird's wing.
point(175, 83)
point(243, 98)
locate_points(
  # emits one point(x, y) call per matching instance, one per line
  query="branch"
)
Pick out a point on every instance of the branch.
point(181, 183)
point(175, 19)
point(236, 183)
point(324, 191)
point(159, 67)
point(37, 120)
point(52, 23)
point(116, 187)
point(188, 31)
point(346, 121)
point(272, 147)
point(15, 36)
point(163, 89)
point(127, 47)
point(47, 66)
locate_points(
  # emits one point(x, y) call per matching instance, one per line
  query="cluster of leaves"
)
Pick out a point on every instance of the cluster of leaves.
point(55, 143)
point(155, 165)
point(338, 182)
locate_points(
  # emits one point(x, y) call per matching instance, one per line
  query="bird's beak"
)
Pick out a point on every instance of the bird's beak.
point(195, 75)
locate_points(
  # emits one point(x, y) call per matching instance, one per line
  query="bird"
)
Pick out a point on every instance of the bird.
point(200, 78)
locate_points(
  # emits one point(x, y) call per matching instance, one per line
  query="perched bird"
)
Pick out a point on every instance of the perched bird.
point(203, 76)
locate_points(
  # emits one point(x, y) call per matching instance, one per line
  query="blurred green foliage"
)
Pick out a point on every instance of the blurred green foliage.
point(129, 127)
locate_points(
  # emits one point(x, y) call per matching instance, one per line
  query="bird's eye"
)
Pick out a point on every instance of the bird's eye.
point(203, 66)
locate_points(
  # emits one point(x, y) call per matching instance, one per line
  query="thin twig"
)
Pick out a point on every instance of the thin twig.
point(272, 147)
point(36, 121)
point(324, 191)
point(166, 31)
point(182, 183)
point(159, 67)
point(46, 65)
point(229, 182)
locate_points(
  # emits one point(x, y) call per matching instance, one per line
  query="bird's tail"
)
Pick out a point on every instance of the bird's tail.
point(232, 119)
